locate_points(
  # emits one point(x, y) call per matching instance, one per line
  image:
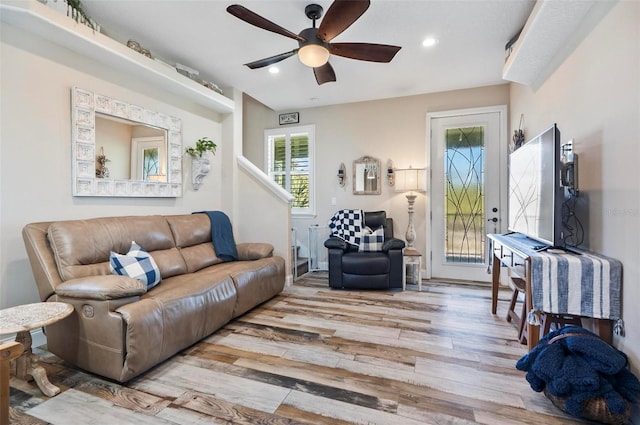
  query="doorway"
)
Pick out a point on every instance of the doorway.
point(468, 162)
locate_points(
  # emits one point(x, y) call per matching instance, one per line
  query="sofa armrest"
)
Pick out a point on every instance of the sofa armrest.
point(254, 251)
point(392, 243)
point(336, 243)
point(103, 287)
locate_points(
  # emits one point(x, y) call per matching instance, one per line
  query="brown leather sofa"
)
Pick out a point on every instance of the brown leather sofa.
point(119, 329)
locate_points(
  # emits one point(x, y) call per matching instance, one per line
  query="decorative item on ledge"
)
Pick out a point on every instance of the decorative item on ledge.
point(390, 173)
point(342, 175)
point(200, 166)
point(72, 9)
point(134, 45)
point(211, 85)
point(187, 72)
point(194, 75)
point(410, 180)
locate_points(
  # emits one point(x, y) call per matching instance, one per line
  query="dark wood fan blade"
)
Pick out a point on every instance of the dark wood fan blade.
point(271, 60)
point(324, 73)
point(364, 51)
point(253, 18)
point(340, 16)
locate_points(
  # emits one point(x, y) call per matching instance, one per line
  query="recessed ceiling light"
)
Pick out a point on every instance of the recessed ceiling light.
point(274, 69)
point(429, 41)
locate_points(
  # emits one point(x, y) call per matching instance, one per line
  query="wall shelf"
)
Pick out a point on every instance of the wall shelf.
point(49, 24)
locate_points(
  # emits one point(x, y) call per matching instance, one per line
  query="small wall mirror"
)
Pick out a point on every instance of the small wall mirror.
point(124, 150)
point(366, 176)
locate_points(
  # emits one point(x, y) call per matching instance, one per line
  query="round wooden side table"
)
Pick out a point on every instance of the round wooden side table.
point(21, 319)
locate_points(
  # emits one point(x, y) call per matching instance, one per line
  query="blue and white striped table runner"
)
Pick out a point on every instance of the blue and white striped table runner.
point(581, 285)
point(586, 285)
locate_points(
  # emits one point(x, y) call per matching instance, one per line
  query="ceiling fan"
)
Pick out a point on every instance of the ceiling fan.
point(314, 45)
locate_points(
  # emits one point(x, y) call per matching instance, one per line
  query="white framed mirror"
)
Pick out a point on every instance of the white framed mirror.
point(123, 150)
point(366, 176)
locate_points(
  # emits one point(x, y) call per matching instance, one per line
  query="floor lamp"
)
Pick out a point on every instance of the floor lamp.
point(410, 180)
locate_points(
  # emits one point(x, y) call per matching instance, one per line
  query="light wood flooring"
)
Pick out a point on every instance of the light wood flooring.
point(314, 355)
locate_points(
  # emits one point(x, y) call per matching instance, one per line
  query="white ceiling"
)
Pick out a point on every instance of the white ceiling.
point(203, 36)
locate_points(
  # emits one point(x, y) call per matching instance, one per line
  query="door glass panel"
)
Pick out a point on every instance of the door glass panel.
point(151, 163)
point(464, 195)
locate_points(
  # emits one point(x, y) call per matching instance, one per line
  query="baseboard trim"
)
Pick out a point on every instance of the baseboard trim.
point(288, 281)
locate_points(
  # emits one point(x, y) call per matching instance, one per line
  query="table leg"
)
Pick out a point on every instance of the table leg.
point(495, 283)
point(27, 366)
point(8, 352)
point(604, 329)
point(404, 273)
point(533, 331)
point(420, 274)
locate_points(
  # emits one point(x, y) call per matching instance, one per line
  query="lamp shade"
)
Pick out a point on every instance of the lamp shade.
point(410, 180)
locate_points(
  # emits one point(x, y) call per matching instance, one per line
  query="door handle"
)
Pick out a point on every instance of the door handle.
point(494, 219)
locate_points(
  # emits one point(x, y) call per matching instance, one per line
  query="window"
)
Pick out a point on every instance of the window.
point(289, 162)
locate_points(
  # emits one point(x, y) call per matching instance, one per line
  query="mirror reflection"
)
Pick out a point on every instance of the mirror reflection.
point(366, 176)
point(130, 150)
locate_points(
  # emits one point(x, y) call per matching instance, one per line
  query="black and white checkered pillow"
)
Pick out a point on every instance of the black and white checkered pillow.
point(372, 240)
point(347, 225)
point(137, 264)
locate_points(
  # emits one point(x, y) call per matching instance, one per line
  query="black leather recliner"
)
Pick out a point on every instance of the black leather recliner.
point(350, 269)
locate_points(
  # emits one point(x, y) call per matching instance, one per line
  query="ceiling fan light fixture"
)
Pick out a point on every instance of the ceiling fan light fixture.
point(313, 55)
point(314, 44)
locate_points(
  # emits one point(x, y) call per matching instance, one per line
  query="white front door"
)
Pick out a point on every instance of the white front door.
point(468, 156)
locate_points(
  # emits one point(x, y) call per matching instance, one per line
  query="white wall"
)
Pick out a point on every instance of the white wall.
point(594, 97)
point(385, 129)
point(35, 148)
point(265, 215)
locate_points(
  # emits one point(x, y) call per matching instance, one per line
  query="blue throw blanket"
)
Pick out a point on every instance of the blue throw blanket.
point(222, 235)
point(575, 364)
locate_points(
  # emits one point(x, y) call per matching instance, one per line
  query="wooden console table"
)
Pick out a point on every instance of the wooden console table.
point(591, 288)
point(21, 319)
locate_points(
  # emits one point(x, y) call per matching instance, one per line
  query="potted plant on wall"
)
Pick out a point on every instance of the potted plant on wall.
point(200, 164)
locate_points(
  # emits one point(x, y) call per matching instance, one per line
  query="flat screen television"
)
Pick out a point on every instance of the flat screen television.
point(536, 194)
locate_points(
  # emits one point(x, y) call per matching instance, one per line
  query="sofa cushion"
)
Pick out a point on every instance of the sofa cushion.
point(365, 263)
point(179, 312)
point(254, 251)
point(137, 264)
point(81, 247)
point(372, 240)
point(192, 233)
point(256, 281)
point(108, 287)
point(375, 218)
